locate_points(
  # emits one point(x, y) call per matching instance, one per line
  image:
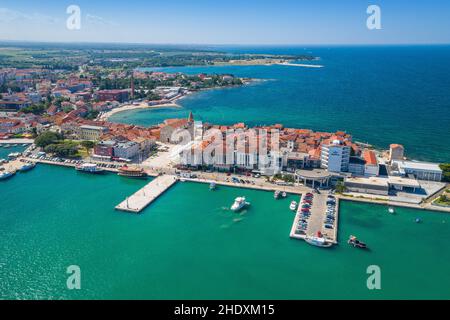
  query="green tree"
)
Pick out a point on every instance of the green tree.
point(46, 138)
point(340, 187)
point(445, 167)
point(88, 145)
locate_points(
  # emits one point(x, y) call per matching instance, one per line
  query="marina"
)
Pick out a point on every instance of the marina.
point(313, 216)
point(146, 195)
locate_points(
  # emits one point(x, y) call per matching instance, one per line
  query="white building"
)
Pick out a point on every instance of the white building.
point(335, 156)
point(126, 150)
point(420, 170)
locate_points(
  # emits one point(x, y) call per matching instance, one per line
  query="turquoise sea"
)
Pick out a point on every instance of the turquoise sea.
point(380, 94)
point(188, 245)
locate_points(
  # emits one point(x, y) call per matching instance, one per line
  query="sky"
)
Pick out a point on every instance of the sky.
point(244, 22)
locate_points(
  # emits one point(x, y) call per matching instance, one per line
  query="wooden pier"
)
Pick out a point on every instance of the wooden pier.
point(150, 192)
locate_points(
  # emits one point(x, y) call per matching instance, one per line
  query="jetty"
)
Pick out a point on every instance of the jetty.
point(316, 219)
point(146, 195)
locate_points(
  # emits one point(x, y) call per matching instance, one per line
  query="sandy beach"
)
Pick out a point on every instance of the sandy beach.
point(142, 105)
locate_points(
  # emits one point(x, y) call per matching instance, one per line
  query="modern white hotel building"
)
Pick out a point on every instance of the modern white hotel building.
point(335, 156)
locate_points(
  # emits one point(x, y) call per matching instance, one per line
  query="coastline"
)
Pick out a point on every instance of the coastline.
point(172, 104)
point(143, 105)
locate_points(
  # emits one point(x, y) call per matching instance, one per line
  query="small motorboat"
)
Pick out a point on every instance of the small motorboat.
point(391, 210)
point(418, 220)
point(293, 205)
point(239, 203)
point(353, 241)
point(212, 186)
point(283, 194)
point(277, 194)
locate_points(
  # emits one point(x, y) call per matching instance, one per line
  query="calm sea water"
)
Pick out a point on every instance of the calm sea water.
point(188, 245)
point(381, 95)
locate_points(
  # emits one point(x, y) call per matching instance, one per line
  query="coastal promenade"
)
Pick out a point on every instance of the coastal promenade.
point(146, 195)
point(17, 141)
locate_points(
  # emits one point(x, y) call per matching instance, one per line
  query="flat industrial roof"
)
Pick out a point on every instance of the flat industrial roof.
point(377, 181)
point(419, 165)
point(405, 182)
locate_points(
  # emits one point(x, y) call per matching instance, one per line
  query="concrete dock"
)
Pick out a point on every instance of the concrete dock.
point(150, 192)
point(316, 219)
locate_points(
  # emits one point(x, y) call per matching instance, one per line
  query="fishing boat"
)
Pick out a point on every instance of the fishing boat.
point(126, 171)
point(353, 241)
point(6, 174)
point(89, 168)
point(277, 194)
point(27, 167)
point(212, 186)
point(318, 240)
point(391, 210)
point(293, 205)
point(239, 203)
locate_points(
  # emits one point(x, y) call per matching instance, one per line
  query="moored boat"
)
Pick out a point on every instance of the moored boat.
point(13, 155)
point(27, 167)
point(318, 240)
point(6, 174)
point(277, 194)
point(391, 210)
point(126, 171)
point(293, 205)
point(89, 168)
point(239, 203)
point(212, 186)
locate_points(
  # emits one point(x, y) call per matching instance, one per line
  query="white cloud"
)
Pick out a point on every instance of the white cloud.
point(97, 20)
point(8, 15)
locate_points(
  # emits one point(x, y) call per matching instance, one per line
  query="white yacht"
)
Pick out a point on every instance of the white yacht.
point(293, 205)
point(318, 241)
point(89, 167)
point(239, 203)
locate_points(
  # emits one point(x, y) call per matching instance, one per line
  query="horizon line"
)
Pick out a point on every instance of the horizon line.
point(225, 44)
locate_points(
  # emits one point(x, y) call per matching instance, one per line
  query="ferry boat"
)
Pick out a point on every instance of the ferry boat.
point(6, 174)
point(126, 171)
point(391, 210)
point(89, 168)
point(277, 194)
point(239, 203)
point(293, 205)
point(353, 241)
point(212, 186)
point(27, 167)
point(318, 241)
